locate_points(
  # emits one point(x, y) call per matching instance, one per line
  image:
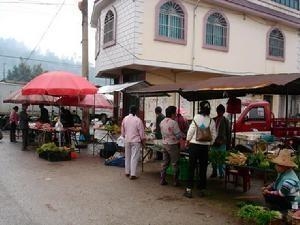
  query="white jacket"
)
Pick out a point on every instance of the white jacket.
point(205, 120)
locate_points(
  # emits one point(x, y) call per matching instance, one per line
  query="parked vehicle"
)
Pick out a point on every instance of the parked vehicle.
point(257, 119)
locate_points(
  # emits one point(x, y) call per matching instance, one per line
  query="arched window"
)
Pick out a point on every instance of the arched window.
point(171, 22)
point(216, 31)
point(275, 44)
point(109, 29)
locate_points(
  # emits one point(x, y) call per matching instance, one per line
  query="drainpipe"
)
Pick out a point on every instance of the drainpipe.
point(194, 33)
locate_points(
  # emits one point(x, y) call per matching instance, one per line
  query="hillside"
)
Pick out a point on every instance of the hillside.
point(11, 51)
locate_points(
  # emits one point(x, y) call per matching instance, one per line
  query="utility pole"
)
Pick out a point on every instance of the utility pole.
point(83, 6)
point(4, 64)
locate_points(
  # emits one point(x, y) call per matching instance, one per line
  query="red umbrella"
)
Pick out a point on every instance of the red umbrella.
point(97, 101)
point(59, 83)
point(17, 98)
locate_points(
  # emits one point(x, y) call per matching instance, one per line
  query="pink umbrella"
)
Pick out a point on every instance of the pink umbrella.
point(17, 98)
point(59, 83)
point(97, 101)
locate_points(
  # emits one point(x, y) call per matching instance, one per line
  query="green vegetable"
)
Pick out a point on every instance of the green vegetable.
point(258, 214)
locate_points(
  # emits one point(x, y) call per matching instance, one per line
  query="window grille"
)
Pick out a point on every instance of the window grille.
point(294, 4)
point(109, 27)
point(171, 21)
point(276, 43)
point(216, 30)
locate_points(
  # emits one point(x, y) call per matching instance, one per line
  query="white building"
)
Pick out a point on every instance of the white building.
point(179, 41)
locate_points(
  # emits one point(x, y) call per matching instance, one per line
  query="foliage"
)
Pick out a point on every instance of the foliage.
point(51, 147)
point(258, 160)
point(258, 214)
point(24, 72)
point(217, 157)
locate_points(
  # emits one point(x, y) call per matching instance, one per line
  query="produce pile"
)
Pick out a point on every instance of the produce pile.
point(113, 128)
point(51, 147)
point(238, 159)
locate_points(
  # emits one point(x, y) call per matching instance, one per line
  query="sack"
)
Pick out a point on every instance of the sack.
point(203, 134)
point(109, 150)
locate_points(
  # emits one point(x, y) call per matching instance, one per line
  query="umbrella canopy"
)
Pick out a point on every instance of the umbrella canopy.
point(17, 98)
point(59, 83)
point(97, 101)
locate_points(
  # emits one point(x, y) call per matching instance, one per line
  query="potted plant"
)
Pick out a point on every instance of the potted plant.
point(259, 215)
point(51, 152)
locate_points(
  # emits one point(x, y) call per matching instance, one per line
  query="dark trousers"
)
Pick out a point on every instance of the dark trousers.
point(24, 138)
point(198, 155)
point(13, 127)
point(277, 202)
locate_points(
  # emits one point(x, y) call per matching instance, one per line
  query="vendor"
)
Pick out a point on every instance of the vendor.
point(44, 118)
point(281, 194)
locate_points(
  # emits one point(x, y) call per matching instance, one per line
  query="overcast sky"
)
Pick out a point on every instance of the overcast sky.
point(28, 20)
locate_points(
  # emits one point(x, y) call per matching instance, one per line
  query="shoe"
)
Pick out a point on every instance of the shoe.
point(127, 174)
point(133, 178)
point(163, 182)
point(188, 193)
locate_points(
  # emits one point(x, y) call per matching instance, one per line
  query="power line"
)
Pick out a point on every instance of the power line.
point(39, 60)
point(48, 27)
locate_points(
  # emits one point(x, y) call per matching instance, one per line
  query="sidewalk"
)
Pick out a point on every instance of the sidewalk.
point(86, 192)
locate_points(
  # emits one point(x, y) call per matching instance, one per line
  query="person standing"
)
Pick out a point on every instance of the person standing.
point(198, 150)
point(171, 134)
point(13, 121)
point(157, 131)
point(44, 118)
point(222, 140)
point(24, 126)
point(133, 131)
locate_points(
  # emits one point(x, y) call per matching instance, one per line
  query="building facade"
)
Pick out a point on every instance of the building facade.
point(180, 41)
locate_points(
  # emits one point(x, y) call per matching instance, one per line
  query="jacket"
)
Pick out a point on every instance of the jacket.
point(199, 120)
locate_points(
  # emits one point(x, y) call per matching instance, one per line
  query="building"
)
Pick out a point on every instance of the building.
point(180, 41)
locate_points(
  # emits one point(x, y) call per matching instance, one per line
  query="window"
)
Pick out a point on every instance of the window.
point(256, 114)
point(275, 44)
point(109, 29)
point(294, 4)
point(171, 22)
point(216, 31)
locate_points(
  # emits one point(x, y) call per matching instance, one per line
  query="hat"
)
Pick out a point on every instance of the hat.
point(284, 158)
point(204, 105)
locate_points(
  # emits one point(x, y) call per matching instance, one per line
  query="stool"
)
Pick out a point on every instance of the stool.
point(232, 174)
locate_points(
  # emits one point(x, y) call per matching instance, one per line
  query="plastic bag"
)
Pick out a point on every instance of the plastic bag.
point(121, 141)
point(59, 126)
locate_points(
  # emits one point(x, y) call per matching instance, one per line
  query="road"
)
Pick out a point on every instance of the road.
point(86, 192)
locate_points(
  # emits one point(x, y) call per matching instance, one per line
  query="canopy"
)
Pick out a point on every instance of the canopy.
point(17, 98)
point(123, 87)
point(221, 87)
point(59, 83)
point(97, 101)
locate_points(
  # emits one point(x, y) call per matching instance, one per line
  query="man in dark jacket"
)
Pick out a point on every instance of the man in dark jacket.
point(23, 124)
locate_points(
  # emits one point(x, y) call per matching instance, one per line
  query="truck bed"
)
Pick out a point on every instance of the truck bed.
point(282, 127)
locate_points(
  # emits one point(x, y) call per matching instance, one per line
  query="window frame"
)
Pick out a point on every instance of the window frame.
point(98, 39)
point(114, 30)
point(287, 5)
point(215, 47)
point(271, 57)
point(185, 22)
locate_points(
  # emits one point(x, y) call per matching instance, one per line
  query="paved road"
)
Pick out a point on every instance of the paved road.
point(85, 192)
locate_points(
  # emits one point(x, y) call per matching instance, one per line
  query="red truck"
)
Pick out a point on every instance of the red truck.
point(257, 116)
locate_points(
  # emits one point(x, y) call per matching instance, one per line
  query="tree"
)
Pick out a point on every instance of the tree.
point(24, 72)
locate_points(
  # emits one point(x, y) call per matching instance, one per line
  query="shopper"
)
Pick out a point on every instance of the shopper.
point(157, 131)
point(13, 121)
point(134, 133)
point(24, 126)
point(170, 138)
point(44, 117)
point(222, 140)
point(198, 150)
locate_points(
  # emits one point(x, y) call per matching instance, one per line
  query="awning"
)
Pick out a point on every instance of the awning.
point(221, 87)
point(123, 87)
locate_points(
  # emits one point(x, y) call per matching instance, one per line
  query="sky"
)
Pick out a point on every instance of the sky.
point(47, 24)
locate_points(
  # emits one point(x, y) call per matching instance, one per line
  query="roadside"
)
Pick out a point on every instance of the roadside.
point(86, 192)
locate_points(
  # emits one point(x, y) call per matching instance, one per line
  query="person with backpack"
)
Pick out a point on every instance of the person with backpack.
point(198, 144)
